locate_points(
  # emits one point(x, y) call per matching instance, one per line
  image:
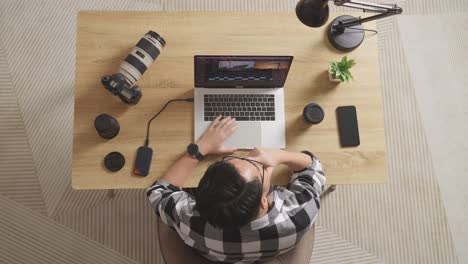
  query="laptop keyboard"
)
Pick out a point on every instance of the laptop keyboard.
point(243, 107)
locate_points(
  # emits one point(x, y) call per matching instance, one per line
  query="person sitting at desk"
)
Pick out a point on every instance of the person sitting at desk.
point(237, 215)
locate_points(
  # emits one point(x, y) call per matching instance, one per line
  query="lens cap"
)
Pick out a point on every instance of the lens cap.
point(114, 161)
point(103, 123)
point(313, 113)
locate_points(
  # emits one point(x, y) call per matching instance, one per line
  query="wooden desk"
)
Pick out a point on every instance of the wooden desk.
point(105, 38)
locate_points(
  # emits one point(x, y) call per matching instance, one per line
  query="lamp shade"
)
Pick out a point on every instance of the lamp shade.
point(312, 13)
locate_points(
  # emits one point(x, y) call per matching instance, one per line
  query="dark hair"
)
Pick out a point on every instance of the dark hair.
point(225, 198)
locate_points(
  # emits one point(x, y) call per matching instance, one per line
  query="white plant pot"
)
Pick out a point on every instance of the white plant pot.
point(330, 76)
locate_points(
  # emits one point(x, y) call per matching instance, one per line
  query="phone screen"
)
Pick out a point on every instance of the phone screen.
point(348, 126)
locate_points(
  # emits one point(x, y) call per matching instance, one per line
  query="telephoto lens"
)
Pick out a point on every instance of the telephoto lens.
point(142, 56)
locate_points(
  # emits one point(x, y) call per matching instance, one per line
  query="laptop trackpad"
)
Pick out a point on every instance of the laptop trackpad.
point(247, 136)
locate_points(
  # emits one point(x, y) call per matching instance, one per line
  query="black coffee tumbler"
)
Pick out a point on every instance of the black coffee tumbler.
point(313, 114)
point(106, 126)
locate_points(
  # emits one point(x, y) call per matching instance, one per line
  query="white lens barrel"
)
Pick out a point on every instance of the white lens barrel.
point(142, 56)
point(131, 74)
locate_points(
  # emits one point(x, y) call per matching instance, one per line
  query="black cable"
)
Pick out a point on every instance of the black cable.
point(162, 109)
point(363, 29)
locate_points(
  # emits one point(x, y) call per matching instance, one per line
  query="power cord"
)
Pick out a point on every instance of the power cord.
point(363, 29)
point(162, 109)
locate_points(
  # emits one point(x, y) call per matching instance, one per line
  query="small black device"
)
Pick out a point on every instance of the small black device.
point(348, 126)
point(194, 151)
point(143, 161)
point(106, 126)
point(114, 161)
point(132, 68)
point(313, 114)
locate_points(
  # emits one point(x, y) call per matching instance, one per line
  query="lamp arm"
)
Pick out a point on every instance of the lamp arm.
point(384, 10)
point(366, 5)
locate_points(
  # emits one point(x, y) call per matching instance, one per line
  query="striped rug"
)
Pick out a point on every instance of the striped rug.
point(407, 220)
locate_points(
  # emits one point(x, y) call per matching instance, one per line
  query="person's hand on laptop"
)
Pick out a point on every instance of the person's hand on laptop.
point(212, 140)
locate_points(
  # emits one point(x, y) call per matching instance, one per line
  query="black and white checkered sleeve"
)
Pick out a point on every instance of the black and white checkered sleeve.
point(307, 184)
point(167, 200)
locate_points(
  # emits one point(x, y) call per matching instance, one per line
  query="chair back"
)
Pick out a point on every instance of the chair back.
point(175, 251)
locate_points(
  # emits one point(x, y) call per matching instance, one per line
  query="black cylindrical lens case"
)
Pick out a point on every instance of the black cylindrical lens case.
point(114, 161)
point(106, 126)
point(313, 114)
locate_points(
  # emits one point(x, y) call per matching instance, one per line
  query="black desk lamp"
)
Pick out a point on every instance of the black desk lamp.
point(344, 32)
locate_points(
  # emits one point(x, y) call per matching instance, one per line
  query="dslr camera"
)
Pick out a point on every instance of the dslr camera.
point(132, 68)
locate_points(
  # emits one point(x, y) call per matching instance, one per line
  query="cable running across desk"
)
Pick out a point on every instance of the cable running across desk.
point(162, 109)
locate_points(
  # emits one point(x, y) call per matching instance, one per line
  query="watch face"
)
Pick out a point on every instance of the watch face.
point(192, 149)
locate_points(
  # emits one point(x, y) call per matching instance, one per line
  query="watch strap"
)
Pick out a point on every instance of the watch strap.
point(196, 154)
point(199, 156)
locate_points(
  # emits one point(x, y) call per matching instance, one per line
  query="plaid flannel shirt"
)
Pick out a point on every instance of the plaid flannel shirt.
point(294, 210)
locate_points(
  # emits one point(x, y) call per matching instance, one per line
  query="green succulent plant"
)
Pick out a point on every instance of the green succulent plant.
point(340, 69)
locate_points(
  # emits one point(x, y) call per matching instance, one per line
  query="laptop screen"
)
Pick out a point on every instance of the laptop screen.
point(241, 71)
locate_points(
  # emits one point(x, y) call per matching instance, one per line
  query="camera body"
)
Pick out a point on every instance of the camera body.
point(117, 85)
point(132, 68)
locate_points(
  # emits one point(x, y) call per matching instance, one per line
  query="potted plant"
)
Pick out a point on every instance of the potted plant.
point(339, 70)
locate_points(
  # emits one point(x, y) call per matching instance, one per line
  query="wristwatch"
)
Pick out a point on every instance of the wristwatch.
point(193, 151)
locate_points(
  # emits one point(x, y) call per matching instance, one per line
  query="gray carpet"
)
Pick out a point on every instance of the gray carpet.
point(407, 220)
point(439, 76)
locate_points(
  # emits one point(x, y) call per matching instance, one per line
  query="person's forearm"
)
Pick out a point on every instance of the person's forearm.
point(179, 173)
point(295, 160)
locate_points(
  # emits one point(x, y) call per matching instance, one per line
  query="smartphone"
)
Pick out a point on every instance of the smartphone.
point(348, 126)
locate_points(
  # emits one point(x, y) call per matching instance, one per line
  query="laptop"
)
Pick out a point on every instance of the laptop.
point(248, 88)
